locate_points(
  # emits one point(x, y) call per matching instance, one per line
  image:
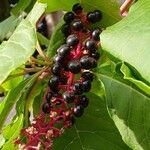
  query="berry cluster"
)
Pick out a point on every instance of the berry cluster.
point(64, 98)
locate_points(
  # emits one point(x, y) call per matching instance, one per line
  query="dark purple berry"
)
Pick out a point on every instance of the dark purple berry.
point(77, 8)
point(78, 111)
point(87, 75)
point(64, 50)
point(53, 82)
point(68, 17)
point(46, 108)
point(88, 62)
point(91, 17)
point(65, 29)
point(72, 40)
point(68, 97)
point(96, 55)
point(96, 34)
point(77, 25)
point(98, 15)
point(86, 86)
point(90, 45)
point(58, 59)
point(56, 69)
point(78, 88)
point(84, 101)
point(74, 66)
point(49, 95)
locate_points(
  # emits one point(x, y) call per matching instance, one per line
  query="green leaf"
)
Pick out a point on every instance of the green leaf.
point(109, 8)
point(12, 97)
point(129, 109)
point(8, 26)
point(128, 40)
point(128, 76)
point(20, 7)
point(54, 5)
point(94, 131)
point(11, 131)
point(21, 44)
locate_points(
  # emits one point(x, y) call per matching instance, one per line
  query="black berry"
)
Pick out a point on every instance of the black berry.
point(58, 59)
point(78, 88)
point(74, 66)
point(87, 75)
point(91, 17)
point(72, 40)
point(96, 55)
point(46, 108)
point(77, 8)
point(84, 101)
point(49, 95)
point(78, 111)
point(64, 50)
point(90, 45)
point(77, 25)
point(68, 17)
point(53, 82)
point(65, 29)
point(96, 34)
point(88, 62)
point(56, 69)
point(86, 86)
point(68, 97)
point(98, 15)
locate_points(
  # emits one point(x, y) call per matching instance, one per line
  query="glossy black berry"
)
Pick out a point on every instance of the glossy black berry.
point(84, 101)
point(86, 86)
point(56, 69)
point(68, 97)
point(98, 15)
point(78, 111)
point(64, 50)
point(88, 62)
point(78, 88)
point(87, 75)
point(65, 29)
point(77, 25)
point(95, 16)
point(58, 59)
point(77, 8)
point(49, 95)
point(68, 17)
point(96, 34)
point(91, 17)
point(74, 66)
point(72, 40)
point(90, 45)
point(96, 55)
point(53, 82)
point(46, 108)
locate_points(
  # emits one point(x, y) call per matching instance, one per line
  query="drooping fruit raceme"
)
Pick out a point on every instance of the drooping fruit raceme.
point(71, 78)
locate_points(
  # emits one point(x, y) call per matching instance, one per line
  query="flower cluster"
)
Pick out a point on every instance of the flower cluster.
point(71, 78)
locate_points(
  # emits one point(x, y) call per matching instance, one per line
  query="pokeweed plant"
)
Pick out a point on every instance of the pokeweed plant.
point(87, 87)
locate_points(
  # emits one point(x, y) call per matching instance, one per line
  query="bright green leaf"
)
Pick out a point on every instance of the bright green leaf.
point(11, 131)
point(128, 76)
point(94, 131)
point(8, 26)
point(54, 5)
point(130, 111)
point(12, 97)
point(128, 40)
point(21, 44)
